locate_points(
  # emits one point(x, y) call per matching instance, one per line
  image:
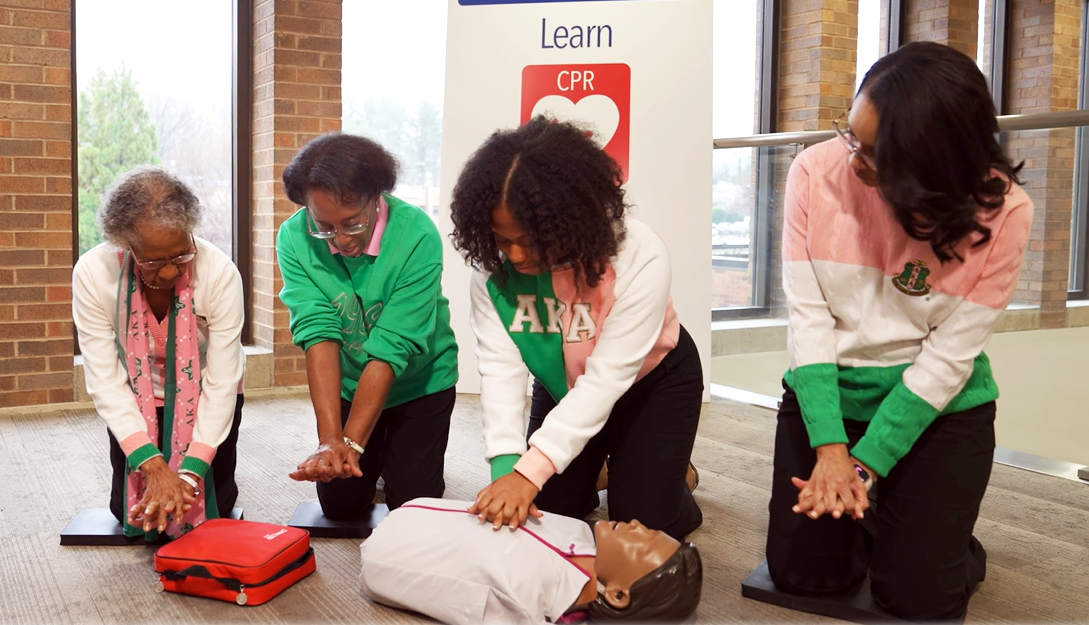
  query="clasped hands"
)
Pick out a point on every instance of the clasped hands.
point(507, 501)
point(833, 487)
point(166, 495)
point(331, 460)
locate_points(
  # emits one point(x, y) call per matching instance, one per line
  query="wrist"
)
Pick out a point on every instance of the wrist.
point(832, 451)
point(331, 439)
point(153, 465)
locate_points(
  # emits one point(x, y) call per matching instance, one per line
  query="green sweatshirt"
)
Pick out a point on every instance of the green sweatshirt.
point(388, 307)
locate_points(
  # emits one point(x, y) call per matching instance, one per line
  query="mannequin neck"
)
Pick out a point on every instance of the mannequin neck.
point(589, 591)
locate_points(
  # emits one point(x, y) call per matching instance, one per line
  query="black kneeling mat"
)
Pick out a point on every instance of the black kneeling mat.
point(97, 527)
point(855, 605)
point(308, 516)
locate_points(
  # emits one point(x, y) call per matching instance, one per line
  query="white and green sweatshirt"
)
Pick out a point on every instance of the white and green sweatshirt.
point(586, 345)
point(879, 329)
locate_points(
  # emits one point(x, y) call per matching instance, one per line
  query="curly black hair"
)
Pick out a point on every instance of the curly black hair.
point(347, 166)
point(559, 185)
point(936, 144)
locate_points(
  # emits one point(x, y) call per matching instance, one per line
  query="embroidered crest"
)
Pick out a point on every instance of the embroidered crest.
point(912, 281)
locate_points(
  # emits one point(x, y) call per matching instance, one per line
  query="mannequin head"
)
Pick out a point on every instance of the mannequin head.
point(646, 575)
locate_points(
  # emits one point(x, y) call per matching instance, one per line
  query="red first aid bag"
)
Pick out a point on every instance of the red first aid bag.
point(231, 560)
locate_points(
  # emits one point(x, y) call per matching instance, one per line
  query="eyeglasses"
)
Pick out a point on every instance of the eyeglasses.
point(348, 231)
point(843, 131)
point(177, 261)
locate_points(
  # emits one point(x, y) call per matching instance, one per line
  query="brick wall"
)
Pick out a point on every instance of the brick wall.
point(35, 202)
point(1045, 37)
point(818, 49)
point(296, 68)
point(952, 22)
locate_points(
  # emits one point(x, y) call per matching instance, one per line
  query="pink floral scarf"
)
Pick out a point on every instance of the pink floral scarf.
point(181, 383)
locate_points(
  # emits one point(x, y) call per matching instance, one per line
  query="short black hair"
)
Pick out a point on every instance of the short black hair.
point(937, 151)
point(559, 185)
point(668, 594)
point(347, 166)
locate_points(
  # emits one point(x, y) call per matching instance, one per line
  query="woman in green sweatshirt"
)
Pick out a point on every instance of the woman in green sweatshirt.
point(361, 273)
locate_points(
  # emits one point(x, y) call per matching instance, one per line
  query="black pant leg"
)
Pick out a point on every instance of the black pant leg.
point(119, 461)
point(926, 562)
point(225, 462)
point(541, 403)
point(417, 433)
point(806, 556)
point(345, 499)
point(117, 483)
point(650, 434)
point(572, 493)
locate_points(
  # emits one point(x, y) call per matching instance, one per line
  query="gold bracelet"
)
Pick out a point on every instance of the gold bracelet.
point(356, 447)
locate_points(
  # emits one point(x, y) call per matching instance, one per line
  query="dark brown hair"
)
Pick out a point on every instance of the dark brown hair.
point(347, 166)
point(937, 150)
point(559, 185)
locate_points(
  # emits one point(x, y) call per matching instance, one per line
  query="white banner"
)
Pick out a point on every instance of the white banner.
point(639, 71)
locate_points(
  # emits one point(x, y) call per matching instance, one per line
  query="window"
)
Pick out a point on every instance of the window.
point(394, 64)
point(869, 38)
point(154, 84)
point(734, 217)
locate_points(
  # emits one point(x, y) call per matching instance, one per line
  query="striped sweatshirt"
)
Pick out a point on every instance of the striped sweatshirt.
point(586, 345)
point(880, 330)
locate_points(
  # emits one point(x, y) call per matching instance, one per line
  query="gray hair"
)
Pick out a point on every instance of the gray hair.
point(143, 195)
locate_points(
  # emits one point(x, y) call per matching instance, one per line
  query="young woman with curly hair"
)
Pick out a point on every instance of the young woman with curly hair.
point(902, 245)
point(571, 289)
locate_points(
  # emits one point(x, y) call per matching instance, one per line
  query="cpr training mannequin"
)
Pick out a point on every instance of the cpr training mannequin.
point(434, 557)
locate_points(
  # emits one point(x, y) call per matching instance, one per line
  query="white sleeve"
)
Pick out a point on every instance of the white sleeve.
point(643, 276)
point(225, 362)
point(93, 312)
point(503, 376)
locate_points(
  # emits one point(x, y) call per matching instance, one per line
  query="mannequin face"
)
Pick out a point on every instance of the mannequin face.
point(627, 552)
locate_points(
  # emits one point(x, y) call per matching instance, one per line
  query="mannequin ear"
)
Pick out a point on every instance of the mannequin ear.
point(617, 596)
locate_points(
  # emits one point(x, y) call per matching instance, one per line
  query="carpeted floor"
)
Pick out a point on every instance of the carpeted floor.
point(1036, 528)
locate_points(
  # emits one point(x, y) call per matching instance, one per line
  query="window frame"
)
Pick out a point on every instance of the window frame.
point(768, 113)
point(1078, 288)
point(241, 147)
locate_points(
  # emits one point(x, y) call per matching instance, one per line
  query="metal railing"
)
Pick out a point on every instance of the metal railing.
point(1031, 121)
point(765, 175)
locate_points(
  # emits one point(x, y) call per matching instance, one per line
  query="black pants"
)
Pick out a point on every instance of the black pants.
point(407, 448)
point(648, 439)
point(221, 472)
point(917, 544)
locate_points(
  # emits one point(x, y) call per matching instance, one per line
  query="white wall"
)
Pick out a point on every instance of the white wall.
point(667, 45)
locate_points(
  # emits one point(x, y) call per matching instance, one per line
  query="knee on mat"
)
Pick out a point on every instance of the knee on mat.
point(813, 582)
point(917, 600)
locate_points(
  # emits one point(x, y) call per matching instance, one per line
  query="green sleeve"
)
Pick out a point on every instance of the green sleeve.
point(817, 388)
point(410, 315)
point(194, 465)
point(502, 465)
point(313, 317)
point(143, 453)
point(899, 422)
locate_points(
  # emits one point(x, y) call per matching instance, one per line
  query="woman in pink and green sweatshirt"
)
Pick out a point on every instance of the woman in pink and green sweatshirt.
point(902, 244)
point(571, 289)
